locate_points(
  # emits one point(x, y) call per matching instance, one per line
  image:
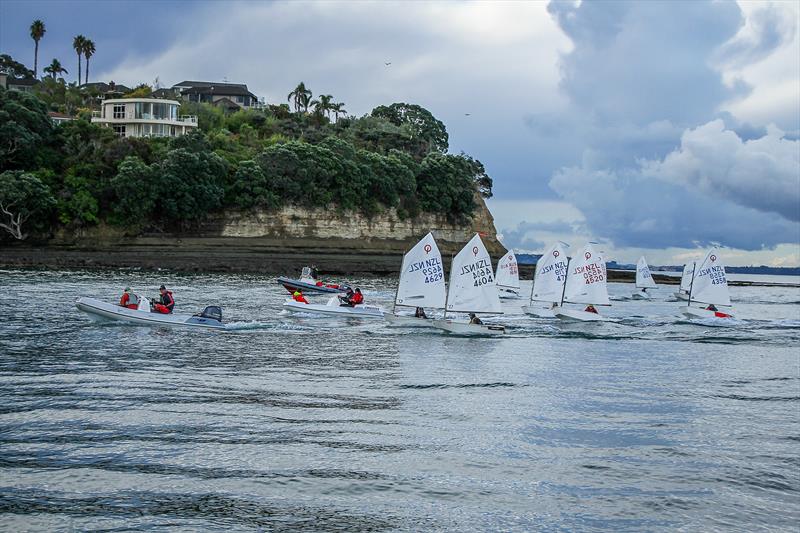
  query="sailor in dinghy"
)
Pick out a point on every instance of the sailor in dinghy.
point(548, 282)
point(421, 284)
point(644, 280)
point(508, 276)
point(472, 290)
point(585, 285)
point(709, 286)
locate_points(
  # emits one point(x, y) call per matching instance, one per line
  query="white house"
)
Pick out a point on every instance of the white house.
point(144, 117)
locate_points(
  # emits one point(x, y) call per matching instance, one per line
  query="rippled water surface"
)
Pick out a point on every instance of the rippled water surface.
point(653, 423)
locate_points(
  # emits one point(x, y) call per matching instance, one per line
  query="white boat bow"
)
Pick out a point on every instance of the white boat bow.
point(104, 311)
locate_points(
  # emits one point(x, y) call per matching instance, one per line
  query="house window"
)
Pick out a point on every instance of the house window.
point(240, 99)
point(119, 111)
point(119, 129)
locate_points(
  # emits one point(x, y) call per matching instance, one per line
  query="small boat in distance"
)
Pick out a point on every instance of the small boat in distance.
point(334, 308)
point(686, 280)
point(585, 285)
point(508, 276)
point(421, 284)
point(98, 310)
point(548, 282)
point(709, 286)
point(472, 290)
point(644, 280)
point(308, 282)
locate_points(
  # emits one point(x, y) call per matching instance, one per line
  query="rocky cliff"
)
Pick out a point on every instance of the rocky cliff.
point(280, 241)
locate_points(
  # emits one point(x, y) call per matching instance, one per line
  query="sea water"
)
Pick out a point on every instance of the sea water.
point(285, 423)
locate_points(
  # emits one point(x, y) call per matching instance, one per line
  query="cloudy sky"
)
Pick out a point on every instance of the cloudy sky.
point(651, 127)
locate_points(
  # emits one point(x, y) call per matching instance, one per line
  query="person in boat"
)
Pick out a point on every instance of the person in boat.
point(314, 272)
point(129, 299)
point(298, 297)
point(357, 298)
point(347, 299)
point(420, 313)
point(712, 307)
point(167, 302)
point(473, 319)
point(590, 309)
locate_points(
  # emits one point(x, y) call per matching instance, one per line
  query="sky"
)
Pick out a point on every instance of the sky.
point(655, 128)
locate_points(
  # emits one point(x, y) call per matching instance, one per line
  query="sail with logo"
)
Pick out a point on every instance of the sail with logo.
point(548, 281)
point(585, 285)
point(508, 276)
point(421, 283)
point(709, 286)
point(472, 289)
point(644, 280)
point(686, 281)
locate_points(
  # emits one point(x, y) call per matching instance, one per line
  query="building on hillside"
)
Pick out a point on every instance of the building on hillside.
point(144, 117)
point(230, 96)
point(24, 85)
point(104, 91)
point(59, 118)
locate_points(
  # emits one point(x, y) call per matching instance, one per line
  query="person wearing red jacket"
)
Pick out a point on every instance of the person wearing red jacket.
point(357, 298)
point(167, 302)
point(298, 297)
point(129, 299)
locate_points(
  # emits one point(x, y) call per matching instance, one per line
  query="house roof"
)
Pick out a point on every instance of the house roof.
point(104, 87)
point(30, 82)
point(163, 93)
point(214, 88)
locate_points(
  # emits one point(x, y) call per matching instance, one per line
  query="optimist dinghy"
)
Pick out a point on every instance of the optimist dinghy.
point(334, 308)
point(548, 282)
point(309, 283)
point(210, 318)
point(709, 286)
point(472, 290)
point(421, 284)
point(644, 280)
point(508, 276)
point(686, 280)
point(585, 285)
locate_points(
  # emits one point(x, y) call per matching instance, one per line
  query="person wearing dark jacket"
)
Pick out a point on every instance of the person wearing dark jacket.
point(347, 299)
point(167, 302)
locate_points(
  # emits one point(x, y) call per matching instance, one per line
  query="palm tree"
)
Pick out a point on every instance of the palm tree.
point(301, 96)
point(77, 45)
point(338, 109)
point(55, 68)
point(37, 32)
point(324, 105)
point(88, 51)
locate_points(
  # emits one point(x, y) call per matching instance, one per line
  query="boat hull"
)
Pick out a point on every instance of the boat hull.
point(682, 296)
point(359, 311)
point(639, 295)
point(465, 328)
point(580, 315)
point(405, 321)
point(694, 312)
point(541, 312)
point(506, 293)
point(292, 285)
point(99, 310)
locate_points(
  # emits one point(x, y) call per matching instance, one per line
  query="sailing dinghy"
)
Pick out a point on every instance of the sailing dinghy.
point(98, 310)
point(709, 286)
point(686, 280)
point(548, 282)
point(508, 276)
point(644, 280)
point(472, 290)
point(585, 285)
point(421, 284)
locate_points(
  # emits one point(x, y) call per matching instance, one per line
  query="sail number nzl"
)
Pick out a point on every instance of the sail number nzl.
point(430, 268)
point(481, 271)
point(592, 273)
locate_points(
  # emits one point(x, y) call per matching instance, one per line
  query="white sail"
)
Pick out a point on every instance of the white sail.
point(710, 286)
point(422, 276)
point(472, 284)
point(551, 271)
point(586, 279)
point(643, 278)
point(686, 277)
point(508, 272)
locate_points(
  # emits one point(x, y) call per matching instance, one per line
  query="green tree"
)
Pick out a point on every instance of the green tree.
point(421, 123)
point(140, 91)
point(24, 129)
point(37, 32)
point(250, 188)
point(77, 205)
point(88, 51)
point(338, 109)
point(324, 105)
point(14, 69)
point(24, 201)
point(209, 117)
point(137, 191)
point(78, 42)
point(301, 96)
point(55, 69)
point(445, 185)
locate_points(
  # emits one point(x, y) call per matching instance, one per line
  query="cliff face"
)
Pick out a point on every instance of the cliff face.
point(279, 241)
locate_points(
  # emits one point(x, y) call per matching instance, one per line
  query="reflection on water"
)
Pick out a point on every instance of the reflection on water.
point(305, 423)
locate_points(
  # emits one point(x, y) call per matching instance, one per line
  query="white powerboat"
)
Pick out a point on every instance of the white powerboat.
point(210, 318)
point(334, 308)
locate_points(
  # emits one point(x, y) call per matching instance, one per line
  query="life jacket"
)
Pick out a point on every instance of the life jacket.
point(133, 299)
point(298, 297)
point(357, 298)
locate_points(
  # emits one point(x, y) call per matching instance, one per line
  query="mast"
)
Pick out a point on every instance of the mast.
point(691, 283)
point(564, 286)
point(449, 285)
point(533, 280)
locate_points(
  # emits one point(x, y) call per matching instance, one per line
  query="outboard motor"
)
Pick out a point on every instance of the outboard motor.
point(213, 312)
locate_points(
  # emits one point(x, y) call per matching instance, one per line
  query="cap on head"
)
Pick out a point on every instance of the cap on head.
point(162, 288)
point(127, 289)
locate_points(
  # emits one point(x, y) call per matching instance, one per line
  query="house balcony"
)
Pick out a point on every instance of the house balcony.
point(131, 116)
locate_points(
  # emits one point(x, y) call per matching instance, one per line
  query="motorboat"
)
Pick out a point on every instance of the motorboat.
point(334, 308)
point(308, 282)
point(98, 310)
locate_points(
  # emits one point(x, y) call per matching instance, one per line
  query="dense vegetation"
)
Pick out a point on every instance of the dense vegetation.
point(79, 174)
